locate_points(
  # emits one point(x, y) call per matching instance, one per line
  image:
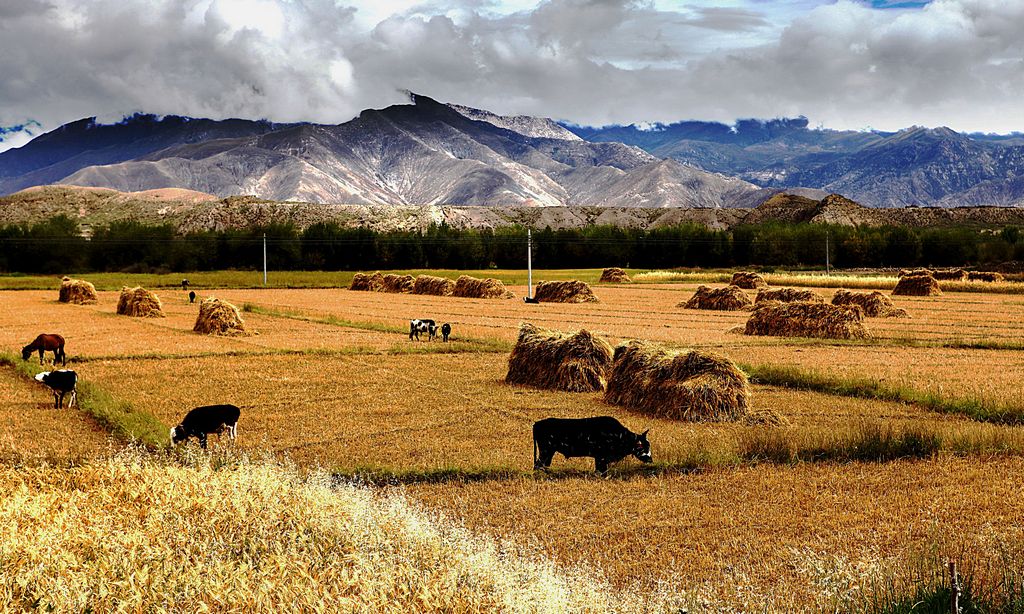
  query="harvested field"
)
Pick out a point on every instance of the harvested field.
point(397, 283)
point(564, 292)
point(917, 285)
point(614, 275)
point(435, 286)
point(471, 287)
point(367, 283)
point(76, 291)
point(748, 280)
point(729, 298)
point(552, 360)
point(138, 302)
point(788, 295)
point(875, 304)
point(821, 320)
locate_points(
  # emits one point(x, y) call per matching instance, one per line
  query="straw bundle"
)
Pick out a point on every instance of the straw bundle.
point(435, 286)
point(397, 284)
point(917, 285)
point(685, 385)
point(139, 302)
point(951, 275)
point(217, 317)
point(820, 320)
point(748, 280)
point(985, 276)
point(917, 271)
point(614, 275)
point(788, 295)
point(471, 287)
point(77, 291)
point(564, 292)
point(729, 298)
point(875, 304)
point(367, 283)
point(550, 359)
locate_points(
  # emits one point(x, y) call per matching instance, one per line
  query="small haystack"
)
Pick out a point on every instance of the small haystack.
point(217, 317)
point(139, 302)
point(550, 359)
point(367, 283)
point(77, 291)
point(398, 284)
point(788, 295)
point(687, 385)
point(748, 280)
point(951, 275)
point(989, 276)
point(729, 298)
point(821, 320)
point(564, 292)
point(471, 287)
point(917, 285)
point(875, 304)
point(614, 275)
point(435, 286)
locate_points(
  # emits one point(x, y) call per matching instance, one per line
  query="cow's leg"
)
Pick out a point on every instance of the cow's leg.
point(202, 440)
point(233, 432)
point(58, 400)
point(546, 456)
point(41, 350)
point(74, 399)
point(601, 466)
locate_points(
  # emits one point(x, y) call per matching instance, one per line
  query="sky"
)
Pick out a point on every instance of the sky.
point(844, 64)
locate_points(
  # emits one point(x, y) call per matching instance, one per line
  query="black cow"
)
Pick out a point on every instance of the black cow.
point(446, 330)
point(422, 326)
point(184, 284)
point(602, 438)
point(530, 299)
point(60, 383)
point(202, 421)
point(191, 296)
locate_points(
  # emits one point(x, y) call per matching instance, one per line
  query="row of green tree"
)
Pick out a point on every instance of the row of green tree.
point(55, 246)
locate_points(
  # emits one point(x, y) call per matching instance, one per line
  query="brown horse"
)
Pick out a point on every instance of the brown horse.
point(46, 343)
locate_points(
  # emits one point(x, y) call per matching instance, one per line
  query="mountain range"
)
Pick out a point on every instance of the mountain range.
point(431, 153)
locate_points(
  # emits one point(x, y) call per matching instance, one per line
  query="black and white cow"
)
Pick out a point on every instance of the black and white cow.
point(446, 331)
point(602, 438)
point(184, 284)
point(203, 421)
point(422, 326)
point(60, 383)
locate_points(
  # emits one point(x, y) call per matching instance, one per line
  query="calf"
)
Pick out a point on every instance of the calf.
point(60, 383)
point(202, 421)
point(530, 299)
point(446, 330)
point(184, 284)
point(46, 343)
point(602, 438)
point(422, 326)
point(191, 296)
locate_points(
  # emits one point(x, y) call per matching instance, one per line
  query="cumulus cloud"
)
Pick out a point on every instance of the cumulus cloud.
point(845, 64)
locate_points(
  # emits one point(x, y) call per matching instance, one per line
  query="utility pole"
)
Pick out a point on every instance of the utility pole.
point(529, 263)
point(264, 260)
point(828, 264)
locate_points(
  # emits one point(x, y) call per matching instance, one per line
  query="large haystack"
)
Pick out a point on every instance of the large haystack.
point(687, 385)
point(471, 287)
point(367, 283)
point(217, 317)
point(550, 359)
point(614, 275)
point(398, 284)
point(748, 280)
point(919, 284)
point(729, 298)
point(821, 320)
point(564, 292)
point(139, 302)
point(875, 304)
point(788, 295)
point(77, 291)
point(989, 276)
point(435, 286)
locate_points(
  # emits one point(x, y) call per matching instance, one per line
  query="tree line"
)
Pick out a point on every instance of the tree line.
point(56, 246)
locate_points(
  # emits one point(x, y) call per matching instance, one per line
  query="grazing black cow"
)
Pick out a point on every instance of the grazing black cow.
point(46, 343)
point(191, 296)
point(530, 299)
point(60, 383)
point(422, 326)
point(446, 330)
point(184, 284)
point(603, 438)
point(202, 421)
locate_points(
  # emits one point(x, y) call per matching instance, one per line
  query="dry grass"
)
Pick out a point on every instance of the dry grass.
point(217, 317)
point(728, 298)
point(564, 292)
point(76, 291)
point(552, 360)
point(820, 320)
point(139, 303)
point(614, 275)
point(435, 286)
point(788, 295)
point(875, 304)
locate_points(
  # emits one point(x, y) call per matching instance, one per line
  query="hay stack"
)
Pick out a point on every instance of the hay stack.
point(77, 291)
point(919, 284)
point(471, 287)
point(729, 298)
point(139, 302)
point(687, 385)
point(614, 275)
point(367, 283)
point(435, 286)
point(788, 295)
point(217, 317)
point(820, 320)
point(875, 304)
point(951, 275)
point(917, 271)
point(550, 359)
point(748, 280)
point(397, 284)
point(564, 292)
point(985, 276)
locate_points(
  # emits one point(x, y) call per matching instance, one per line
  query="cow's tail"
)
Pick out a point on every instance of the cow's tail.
point(535, 450)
